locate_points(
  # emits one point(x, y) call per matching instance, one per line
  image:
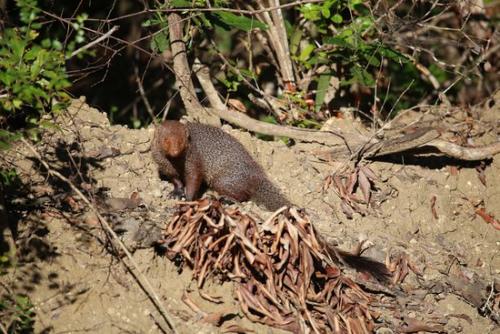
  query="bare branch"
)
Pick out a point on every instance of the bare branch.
point(465, 153)
point(143, 95)
point(344, 143)
point(331, 138)
point(182, 72)
point(203, 75)
point(94, 42)
point(214, 9)
point(279, 40)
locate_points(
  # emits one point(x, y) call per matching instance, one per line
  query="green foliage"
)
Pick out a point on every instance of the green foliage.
point(229, 20)
point(204, 20)
point(354, 46)
point(32, 76)
point(8, 177)
point(160, 38)
point(17, 314)
point(323, 83)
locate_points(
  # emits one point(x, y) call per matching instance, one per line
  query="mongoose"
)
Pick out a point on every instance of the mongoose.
point(190, 154)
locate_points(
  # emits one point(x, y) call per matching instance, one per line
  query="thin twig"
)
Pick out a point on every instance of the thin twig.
point(143, 95)
point(4, 330)
point(214, 9)
point(94, 42)
point(141, 278)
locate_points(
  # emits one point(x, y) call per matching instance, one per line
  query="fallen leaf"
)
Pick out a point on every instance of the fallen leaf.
point(481, 212)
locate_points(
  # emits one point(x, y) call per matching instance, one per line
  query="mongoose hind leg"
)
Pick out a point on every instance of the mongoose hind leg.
point(233, 188)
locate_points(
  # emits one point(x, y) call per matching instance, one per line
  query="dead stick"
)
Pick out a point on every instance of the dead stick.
point(141, 278)
point(94, 42)
point(465, 153)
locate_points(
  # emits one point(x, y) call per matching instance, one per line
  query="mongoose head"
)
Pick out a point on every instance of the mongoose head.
point(174, 139)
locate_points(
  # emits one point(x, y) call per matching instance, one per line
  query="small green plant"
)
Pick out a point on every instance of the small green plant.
point(16, 314)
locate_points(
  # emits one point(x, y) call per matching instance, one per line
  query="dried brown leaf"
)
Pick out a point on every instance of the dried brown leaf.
point(347, 210)
point(340, 186)
point(191, 304)
point(369, 173)
point(433, 207)
point(365, 186)
point(351, 182)
point(213, 299)
point(481, 168)
point(414, 326)
point(285, 278)
point(235, 328)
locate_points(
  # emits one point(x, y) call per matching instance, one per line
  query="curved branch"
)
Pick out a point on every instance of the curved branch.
point(465, 153)
point(331, 138)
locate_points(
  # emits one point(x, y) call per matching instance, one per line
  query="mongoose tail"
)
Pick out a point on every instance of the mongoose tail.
point(268, 195)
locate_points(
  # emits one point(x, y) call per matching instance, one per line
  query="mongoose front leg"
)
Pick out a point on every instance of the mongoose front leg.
point(178, 191)
point(193, 178)
point(166, 168)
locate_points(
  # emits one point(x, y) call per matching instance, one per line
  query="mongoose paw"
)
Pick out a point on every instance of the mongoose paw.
point(226, 200)
point(177, 194)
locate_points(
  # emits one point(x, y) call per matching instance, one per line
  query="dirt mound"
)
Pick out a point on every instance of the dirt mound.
point(426, 221)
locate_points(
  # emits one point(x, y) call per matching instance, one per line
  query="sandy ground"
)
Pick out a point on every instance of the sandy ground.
point(77, 285)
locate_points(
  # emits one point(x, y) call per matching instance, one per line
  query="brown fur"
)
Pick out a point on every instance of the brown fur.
point(192, 154)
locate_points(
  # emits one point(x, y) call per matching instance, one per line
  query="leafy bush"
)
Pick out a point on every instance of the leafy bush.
point(32, 76)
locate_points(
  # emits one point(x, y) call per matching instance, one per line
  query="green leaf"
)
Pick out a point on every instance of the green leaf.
point(56, 44)
point(306, 52)
point(17, 45)
point(4, 145)
point(180, 4)
point(371, 59)
point(17, 103)
point(362, 76)
point(47, 124)
point(5, 133)
point(268, 119)
point(393, 54)
point(337, 18)
point(325, 11)
point(239, 21)
point(159, 42)
point(295, 40)
point(355, 2)
point(79, 38)
point(336, 41)
point(311, 12)
point(323, 84)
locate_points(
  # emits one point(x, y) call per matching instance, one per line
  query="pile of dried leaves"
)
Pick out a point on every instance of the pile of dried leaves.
point(346, 185)
point(284, 277)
